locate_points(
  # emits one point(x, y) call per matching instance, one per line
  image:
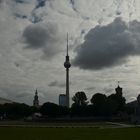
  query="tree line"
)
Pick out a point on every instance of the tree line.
point(99, 105)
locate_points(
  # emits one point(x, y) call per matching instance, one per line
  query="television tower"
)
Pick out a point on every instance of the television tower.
point(67, 65)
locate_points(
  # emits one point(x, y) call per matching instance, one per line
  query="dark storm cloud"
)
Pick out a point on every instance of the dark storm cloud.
point(1, 1)
point(110, 45)
point(36, 36)
point(42, 36)
point(41, 3)
point(19, 1)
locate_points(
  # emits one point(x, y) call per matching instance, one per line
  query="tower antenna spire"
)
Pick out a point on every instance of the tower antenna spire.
point(67, 43)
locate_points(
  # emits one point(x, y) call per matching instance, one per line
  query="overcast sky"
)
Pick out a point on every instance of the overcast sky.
point(104, 43)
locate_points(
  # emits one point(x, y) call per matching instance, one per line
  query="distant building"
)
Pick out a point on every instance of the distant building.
point(36, 101)
point(62, 100)
point(135, 106)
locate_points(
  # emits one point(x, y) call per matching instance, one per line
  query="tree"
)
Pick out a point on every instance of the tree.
point(99, 102)
point(111, 107)
point(80, 98)
point(53, 110)
point(98, 99)
point(16, 110)
point(119, 101)
point(78, 108)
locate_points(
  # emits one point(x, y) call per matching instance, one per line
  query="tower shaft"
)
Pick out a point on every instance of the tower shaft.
point(67, 87)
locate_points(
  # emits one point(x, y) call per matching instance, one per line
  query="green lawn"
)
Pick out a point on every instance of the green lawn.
point(69, 134)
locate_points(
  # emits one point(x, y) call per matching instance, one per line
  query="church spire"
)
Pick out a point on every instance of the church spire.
point(36, 92)
point(36, 101)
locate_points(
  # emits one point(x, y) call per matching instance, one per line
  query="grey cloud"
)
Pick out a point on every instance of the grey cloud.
point(19, 1)
point(108, 90)
point(23, 95)
point(36, 36)
point(41, 3)
point(108, 46)
point(90, 88)
point(133, 98)
point(42, 36)
point(57, 84)
point(54, 83)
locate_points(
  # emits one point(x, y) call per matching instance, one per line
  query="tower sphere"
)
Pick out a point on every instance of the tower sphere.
point(67, 64)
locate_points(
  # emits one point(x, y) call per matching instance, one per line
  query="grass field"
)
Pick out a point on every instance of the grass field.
point(69, 134)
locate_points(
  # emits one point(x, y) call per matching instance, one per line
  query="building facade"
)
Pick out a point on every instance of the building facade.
point(62, 100)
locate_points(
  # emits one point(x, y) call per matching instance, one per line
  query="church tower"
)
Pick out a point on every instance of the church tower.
point(119, 90)
point(67, 65)
point(36, 101)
